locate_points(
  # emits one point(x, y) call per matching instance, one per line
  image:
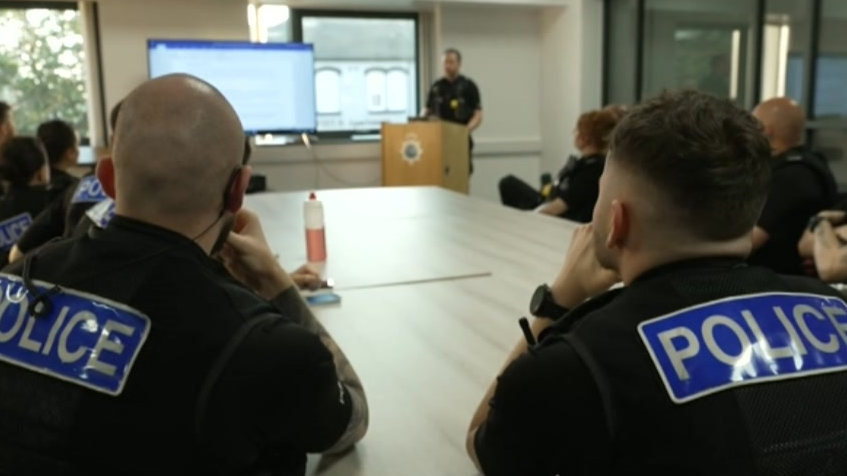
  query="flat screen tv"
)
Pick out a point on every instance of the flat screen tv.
point(270, 85)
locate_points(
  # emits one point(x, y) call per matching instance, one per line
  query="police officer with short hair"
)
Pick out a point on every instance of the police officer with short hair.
point(700, 364)
point(25, 170)
point(455, 98)
point(61, 217)
point(802, 186)
point(130, 351)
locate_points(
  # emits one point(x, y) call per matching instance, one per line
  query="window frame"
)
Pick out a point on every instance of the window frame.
point(95, 117)
point(299, 14)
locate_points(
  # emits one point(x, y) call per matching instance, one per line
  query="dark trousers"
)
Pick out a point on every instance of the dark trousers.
point(516, 193)
point(470, 155)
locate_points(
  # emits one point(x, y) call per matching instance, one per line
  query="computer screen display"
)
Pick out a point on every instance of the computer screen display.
point(270, 85)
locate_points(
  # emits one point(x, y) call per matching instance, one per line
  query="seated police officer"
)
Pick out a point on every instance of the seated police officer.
point(574, 191)
point(455, 98)
point(700, 364)
point(578, 182)
point(62, 145)
point(802, 186)
point(824, 245)
point(60, 218)
point(131, 351)
point(25, 171)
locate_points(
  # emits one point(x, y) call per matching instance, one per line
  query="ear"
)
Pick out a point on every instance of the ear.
point(105, 172)
point(43, 175)
point(619, 226)
point(238, 190)
point(72, 155)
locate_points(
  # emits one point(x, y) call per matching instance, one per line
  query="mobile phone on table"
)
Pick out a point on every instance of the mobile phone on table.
point(323, 299)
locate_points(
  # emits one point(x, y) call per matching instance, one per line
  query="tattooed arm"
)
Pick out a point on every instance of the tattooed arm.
point(248, 258)
point(830, 254)
point(292, 305)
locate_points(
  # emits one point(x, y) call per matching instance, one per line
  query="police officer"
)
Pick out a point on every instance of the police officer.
point(802, 186)
point(25, 171)
point(577, 184)
point(7, 123)
point(130, 351)
point(700, 364)
point(61, 217)
point(62, 145)
point(455, 98)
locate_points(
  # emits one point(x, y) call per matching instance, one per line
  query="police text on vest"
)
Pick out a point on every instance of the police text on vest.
point(746, 340)
point(86, 340)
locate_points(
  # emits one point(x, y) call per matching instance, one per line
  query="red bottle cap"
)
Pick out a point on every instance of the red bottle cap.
point(312, 196)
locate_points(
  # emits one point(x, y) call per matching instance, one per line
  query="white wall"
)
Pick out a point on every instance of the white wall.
point(500, 48)
point(538, 68)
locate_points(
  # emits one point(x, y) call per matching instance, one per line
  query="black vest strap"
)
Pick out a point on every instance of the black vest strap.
point(603, 385)
point(218, 368)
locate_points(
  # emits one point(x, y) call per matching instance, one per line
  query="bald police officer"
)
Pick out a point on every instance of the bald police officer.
point(700, 364)
point(455, 98)
point(130, 351)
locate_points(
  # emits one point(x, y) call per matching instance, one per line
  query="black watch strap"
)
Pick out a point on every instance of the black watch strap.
point(543, 305)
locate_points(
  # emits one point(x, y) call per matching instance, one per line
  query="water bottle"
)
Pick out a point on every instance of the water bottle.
point(313, 215)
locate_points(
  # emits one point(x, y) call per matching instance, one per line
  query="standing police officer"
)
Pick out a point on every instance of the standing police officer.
point(700, 364)
point(455, 98)
point(130, 351)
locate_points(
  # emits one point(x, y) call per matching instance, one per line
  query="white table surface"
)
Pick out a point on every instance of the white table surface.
point(397, 235)
point(427, 351)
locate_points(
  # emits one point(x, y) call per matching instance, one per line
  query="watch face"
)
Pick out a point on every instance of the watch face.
point(537, 299)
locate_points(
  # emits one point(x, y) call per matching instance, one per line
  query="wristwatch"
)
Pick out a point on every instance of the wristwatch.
point(543, 305)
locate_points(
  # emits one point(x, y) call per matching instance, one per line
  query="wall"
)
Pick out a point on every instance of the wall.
point(571, 74)
point(530, 62)
point(500, 48)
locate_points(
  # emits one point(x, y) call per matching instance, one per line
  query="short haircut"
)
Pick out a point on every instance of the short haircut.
point(5, 108)
point(705, 156)
point(595, 127)
point(113, 115)
point(20, 158)
point(57, 137)
point(248, 151)
point(454, 51)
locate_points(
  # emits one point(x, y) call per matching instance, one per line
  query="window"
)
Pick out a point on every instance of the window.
point(785, 44)
point(831, 62)
point(328, 91)
point(376, 60)
point(42, 65)
point(701, 45)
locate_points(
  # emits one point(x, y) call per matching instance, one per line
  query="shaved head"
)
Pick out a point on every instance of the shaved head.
point(177, 144)
point(784, 122)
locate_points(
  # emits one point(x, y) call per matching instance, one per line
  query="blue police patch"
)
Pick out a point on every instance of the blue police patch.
point(12, 229)
point(746, 340)
point(86, 340)
point(89, 190)
point(102, 213)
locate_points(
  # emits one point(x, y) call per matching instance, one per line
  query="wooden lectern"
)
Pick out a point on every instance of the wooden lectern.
point(426, 153)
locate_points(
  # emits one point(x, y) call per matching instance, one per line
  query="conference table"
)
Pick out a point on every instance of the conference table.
point(432, 284)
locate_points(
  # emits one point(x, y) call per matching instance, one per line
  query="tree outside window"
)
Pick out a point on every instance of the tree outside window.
point(42, 67)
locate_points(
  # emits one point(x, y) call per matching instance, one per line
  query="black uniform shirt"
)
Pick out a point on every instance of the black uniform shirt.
point(454, 101)
point(61, 180)
point(58, 220)
point(798, 191)
point(547, 416)
point(276, 399)
point(579, 186)
point(18, 207)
